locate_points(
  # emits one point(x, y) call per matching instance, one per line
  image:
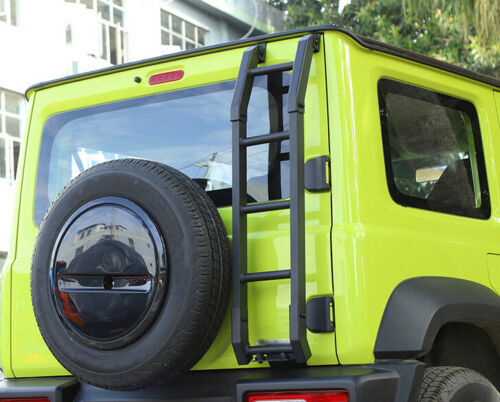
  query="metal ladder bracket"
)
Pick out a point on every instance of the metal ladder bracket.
point(297, 349)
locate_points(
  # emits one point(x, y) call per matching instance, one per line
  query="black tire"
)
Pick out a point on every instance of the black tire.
point(456, 384)
point(195, 301)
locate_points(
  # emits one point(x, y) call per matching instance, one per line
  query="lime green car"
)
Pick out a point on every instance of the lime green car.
point(303, 216)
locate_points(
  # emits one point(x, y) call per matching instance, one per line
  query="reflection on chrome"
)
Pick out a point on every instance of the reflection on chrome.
point(109, 273)
point(104, 283)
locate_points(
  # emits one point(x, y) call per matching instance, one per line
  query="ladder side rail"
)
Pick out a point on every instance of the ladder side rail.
point(296, 97)
point(239, 106)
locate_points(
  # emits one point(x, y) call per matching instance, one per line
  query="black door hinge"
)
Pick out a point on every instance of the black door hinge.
point(319, 314)
point(317, 175)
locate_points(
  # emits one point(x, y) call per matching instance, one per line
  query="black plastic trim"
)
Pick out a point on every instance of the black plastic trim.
point(316, 176)
point(318, 314)
point(368, 43)
point(57, 389)
point(385, 382)
point(419, 307)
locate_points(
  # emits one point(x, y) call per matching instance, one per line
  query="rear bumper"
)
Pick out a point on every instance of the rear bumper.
point(384, 382)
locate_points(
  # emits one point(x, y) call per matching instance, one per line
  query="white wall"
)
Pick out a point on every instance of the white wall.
point(35, 50)
point(6, 208)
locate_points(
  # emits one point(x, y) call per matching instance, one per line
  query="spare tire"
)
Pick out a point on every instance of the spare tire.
point(130, 274)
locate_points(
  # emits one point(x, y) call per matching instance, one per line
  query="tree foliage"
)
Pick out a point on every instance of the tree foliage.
point(463, 32)
point(480, 17)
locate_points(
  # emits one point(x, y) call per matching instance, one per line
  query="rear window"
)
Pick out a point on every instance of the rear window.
point(433, 152)
point(187, 129)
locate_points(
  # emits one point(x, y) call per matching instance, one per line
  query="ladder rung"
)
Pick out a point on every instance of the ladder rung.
point(265, 276)
point(264, 139)
point(282, 348)
point(252, 72)
point(264, 207)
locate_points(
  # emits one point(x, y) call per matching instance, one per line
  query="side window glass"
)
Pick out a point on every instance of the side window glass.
point(433, 152)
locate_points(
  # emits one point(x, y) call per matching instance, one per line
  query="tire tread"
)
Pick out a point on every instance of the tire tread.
point(210, 299)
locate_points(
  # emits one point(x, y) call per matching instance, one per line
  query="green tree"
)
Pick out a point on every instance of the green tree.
point(477, 17)
point(434, 27)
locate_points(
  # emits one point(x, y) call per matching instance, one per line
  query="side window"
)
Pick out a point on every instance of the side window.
point(432, 150)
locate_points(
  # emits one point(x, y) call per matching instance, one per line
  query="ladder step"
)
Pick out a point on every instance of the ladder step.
point(283, 348)
point(252, 72)
point(265, 276)
point(264, 139)
point(264, 207)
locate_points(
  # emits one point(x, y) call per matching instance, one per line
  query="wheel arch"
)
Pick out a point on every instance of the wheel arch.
point(419, 307)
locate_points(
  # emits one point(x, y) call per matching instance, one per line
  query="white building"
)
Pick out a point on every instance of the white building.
point(46, 39)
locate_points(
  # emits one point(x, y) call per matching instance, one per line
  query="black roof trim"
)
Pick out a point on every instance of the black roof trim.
point(368, 43)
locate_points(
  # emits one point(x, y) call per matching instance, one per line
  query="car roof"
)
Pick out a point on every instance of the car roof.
point(366, 42)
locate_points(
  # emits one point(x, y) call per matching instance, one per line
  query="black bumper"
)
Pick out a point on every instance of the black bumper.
point(375, 383)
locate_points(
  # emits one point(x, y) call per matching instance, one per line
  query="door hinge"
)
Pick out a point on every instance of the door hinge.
point(319, 314)
point(317, 174)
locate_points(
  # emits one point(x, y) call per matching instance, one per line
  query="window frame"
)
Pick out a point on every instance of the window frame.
point(171, 33)
point(105, 26)
point(386, 86)
point(11, 14)
point(10, 140)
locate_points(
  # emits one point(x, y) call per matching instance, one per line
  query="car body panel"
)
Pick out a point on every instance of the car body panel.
point(360, 244)
point(376, 243)
point(268, 232)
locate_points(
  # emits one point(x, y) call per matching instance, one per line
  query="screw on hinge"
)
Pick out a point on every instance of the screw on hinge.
point(262, 53)
point(259, 357)
point(316, 43)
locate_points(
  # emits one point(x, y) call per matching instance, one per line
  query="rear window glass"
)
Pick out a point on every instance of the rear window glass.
point(187, 129)
point(433, 152)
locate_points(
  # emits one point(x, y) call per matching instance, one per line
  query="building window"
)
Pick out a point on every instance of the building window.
point(69, 34)
point(3, 258)
point(8, 11)
point(11, 129)
point(177, 32)
point(433, 152)
point(112, 34)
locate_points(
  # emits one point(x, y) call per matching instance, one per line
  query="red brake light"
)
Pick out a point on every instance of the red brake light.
point(24, 400)
point(299, 396)
point(166, 77)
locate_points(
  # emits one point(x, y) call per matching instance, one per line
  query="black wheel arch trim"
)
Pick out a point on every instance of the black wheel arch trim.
point(419, 307)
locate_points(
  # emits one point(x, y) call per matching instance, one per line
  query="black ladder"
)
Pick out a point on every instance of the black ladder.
point(298, 348)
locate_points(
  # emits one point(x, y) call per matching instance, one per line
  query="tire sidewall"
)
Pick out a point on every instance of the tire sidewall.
point(173, 329)
point(472, 392)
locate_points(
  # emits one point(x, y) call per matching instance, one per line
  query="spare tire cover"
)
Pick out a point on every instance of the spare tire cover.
point(130, 274)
